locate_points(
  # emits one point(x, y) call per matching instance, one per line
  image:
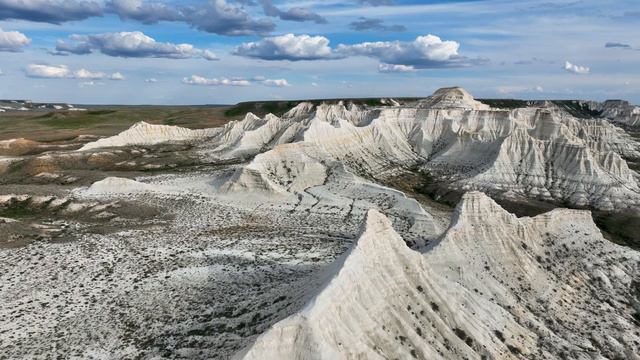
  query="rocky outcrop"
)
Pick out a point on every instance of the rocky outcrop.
point(143, 133)
point(540, 151)
point(452, 98)
point(494, 287)
point(618, 111)
point(537, 152)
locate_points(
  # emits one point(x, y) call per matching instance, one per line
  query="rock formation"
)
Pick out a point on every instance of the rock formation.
point(494, 287)
point(535, 152)
point(143, 133)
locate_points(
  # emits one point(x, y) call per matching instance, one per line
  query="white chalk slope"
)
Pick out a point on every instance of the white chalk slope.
point(494, 287)
point(618, 111)
point(537, 152)
point(144, 133)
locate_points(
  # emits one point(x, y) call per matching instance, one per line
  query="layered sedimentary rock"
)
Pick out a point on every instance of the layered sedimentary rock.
point(537, 152)
point(494, 287)
point(618, 111)
point(143, 133)
point(540, 151)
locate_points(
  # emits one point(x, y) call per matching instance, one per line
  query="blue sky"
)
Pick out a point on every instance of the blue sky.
point(217, 51)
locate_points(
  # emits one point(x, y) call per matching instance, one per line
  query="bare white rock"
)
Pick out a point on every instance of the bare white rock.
point(495, 287)
point(143, 133)
point(539, 152)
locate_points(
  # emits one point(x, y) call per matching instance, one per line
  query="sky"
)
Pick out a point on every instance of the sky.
point(227, 51)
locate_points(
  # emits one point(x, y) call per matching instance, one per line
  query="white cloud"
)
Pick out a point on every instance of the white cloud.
point(276, 82)
point(391, 68)
point(130, 45)
point(424, 52)
point(63, 72)
point(200, 80)
point(116, 76)
point(287, 47)
point(13, 41)
point(576, 69)
point(151, 80)
point(48, 71)
point(86, 74)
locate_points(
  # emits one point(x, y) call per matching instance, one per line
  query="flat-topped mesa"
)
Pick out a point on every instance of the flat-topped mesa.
point(452, 98)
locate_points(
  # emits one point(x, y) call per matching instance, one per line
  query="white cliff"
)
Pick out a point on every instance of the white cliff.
point(494, 287)
point(537, 152)
point(540, 151)
point(619, 111)
point(143, 133)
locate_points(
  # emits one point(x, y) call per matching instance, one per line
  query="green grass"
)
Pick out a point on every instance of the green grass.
point(505, 103)
point(17, 211)
point(103, 121)
point(622, 229)
point(260, 108)
point(577, 109)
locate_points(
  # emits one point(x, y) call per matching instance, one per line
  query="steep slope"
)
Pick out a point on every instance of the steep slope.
point(143, 133)
point(535, 152)
point(618, 111)
point(452, 98)
point(540, 151)
point(495, 287)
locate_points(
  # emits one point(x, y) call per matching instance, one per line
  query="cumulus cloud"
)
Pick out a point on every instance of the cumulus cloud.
point(145, 12)
point(214, 16)
point(151, 80)
point(129, 45)
point(223, 19)
point(63, 72)
point(49, 11)
point(367, 24)
point(117, 76)
point(275, 82)
point(13, 41)
point(200, 80)
point(47, 71)
point(391, 68)
point(617, 45)
point(424, 52)
point(293, 14)
point(287, 47)
point(576, 69)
